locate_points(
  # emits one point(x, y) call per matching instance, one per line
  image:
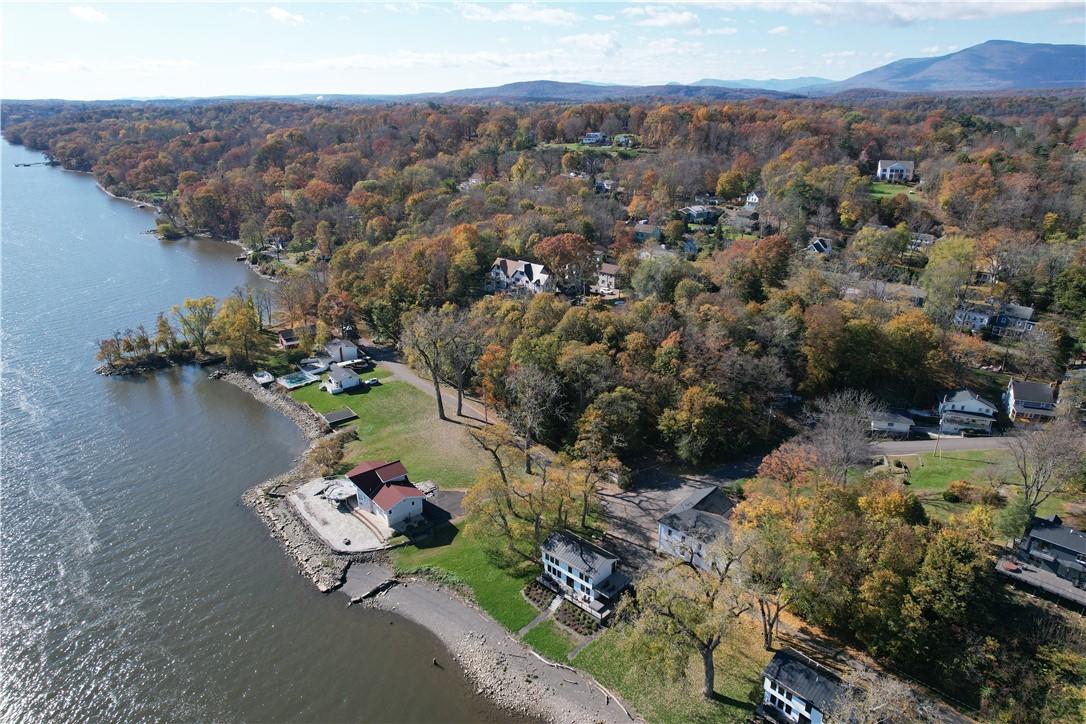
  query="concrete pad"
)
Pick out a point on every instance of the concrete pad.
point(334, 524)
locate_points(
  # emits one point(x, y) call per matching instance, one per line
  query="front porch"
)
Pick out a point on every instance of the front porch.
point(602, 604)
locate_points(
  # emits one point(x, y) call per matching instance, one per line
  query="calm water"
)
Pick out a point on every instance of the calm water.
point(134, 584)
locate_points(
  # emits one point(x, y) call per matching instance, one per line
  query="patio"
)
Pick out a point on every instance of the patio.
point(342, 526)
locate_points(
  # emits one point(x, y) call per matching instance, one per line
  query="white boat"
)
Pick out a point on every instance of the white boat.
point(263, 377)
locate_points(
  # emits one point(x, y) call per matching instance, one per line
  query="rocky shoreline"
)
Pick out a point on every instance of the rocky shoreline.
point(326, 568)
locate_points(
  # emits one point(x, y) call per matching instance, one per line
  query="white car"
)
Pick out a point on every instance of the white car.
point(373, 382)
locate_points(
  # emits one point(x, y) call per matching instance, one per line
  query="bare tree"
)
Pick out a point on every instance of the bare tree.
point(773, 572)
point(262, 300)
point(468, 340)
point(871, 698)
point(1046, 462)
point(841, 436)
point(680, 606)
point(534, 395)
point(426, 338)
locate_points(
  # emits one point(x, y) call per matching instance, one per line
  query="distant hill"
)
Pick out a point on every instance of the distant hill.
point(550, 90)
point(777, 84)
point(997, 65)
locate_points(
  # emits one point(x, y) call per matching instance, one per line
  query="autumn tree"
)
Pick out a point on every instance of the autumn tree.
point(693, 425)
point(533, 396)
point(682, 609)
point(570, 257)
point(194, 317)
point(841, 436)
point(427, 338)
point(237, 328)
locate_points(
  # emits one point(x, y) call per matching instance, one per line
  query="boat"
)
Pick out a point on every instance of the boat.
point(263, 377)
point(240, 257)
point(314, 365)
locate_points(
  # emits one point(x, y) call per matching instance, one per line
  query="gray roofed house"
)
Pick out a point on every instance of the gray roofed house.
point(797, 688)
point(341, 350)
point(340, 379)
point(1029, 400)
point(582, 572)
point(687, 530)
point(890, 422)
point(1055, 555)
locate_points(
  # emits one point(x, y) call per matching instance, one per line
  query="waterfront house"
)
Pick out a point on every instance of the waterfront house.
point(688, 530)
point(385, 491)
point(895, 171)
point(291, 338)
point(582, 572)
point(890, 423)
point(519, 276)
point(341, 350)
point(1029, 401)
point(340, 379)
point(1053, 558)
point(795, 688)
point(607, 278)
point(965, 410)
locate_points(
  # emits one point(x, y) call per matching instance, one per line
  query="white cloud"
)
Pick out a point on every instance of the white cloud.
point(779, 30)
point(714, 31)
point(247, 11)
point(906, 12)
point(606, 43)
point(280, 15)
point(133, 66)
point(603, 18)
point(518, 13)
point(660, 17)
point(1073, 20)
point(87, 13)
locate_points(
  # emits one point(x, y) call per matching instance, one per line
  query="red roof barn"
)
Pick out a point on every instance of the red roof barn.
point(384, 483)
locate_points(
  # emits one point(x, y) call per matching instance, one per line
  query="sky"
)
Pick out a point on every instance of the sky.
point(128, 50)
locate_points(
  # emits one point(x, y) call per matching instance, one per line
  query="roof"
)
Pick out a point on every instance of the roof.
point(890, 163)
point(577, 552)
point(966, 395)
point(703, 514)
point(531, 270)
point(383, 482)
point(1031, 391)
point(296, 332)
point(807, 678)
point(891, 417)
point(337, 342)
point(646, 228)
point(341, 415)
point(341, 374)
point(608, 268)
point(1051, 530)
point(1018, 311)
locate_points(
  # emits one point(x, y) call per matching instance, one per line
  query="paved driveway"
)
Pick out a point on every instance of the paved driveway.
point(948, 444)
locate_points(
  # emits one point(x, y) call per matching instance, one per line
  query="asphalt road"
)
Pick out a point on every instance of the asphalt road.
point(948, 444)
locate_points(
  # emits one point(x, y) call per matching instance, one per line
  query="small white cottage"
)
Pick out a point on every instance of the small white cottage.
point(340, 379)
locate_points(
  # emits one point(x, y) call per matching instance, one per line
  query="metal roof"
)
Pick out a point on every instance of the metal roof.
point(577, 552)
point(703, 514)
point(805, 677)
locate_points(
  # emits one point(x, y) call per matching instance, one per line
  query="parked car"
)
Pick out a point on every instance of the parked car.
point(373, 382)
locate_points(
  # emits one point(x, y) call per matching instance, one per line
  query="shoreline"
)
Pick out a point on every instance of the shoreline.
point(500, 667)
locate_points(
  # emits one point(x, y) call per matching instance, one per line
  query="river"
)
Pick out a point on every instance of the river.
point(134, 584)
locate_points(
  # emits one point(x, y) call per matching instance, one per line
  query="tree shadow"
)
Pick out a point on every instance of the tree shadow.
point(440, 536)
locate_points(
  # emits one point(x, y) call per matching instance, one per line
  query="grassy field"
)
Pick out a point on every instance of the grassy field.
point(929, 476)
point(739, 663)
point(461, 559)
point(550, 640)
point(883, 189)
point(398, 421)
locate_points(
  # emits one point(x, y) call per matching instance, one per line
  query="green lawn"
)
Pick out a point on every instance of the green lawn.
point(398, 421)
point(928, 472)
point(550, 640)
point(461, 559)
point(739, 663)
point(883, 189)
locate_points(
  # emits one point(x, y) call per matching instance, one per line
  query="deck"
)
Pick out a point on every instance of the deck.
point(1043, 580)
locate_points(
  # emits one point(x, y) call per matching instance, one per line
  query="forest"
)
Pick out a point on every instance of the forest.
point(726, 337)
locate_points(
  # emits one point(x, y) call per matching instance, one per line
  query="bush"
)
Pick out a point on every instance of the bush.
point(538, 594)
point(576, 618)
point(959, 491)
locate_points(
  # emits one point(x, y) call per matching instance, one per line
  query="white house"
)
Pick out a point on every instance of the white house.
point(688, 530)
point(340, 379)
point(385, 491)
point(582, 572)
point(797, 689)
point(1029, 401)
point(517, 275)
point(965, 410)
point(607, 278)
point(341, 350)
point(752, 202)
point(898, 171)
point(890, 423)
